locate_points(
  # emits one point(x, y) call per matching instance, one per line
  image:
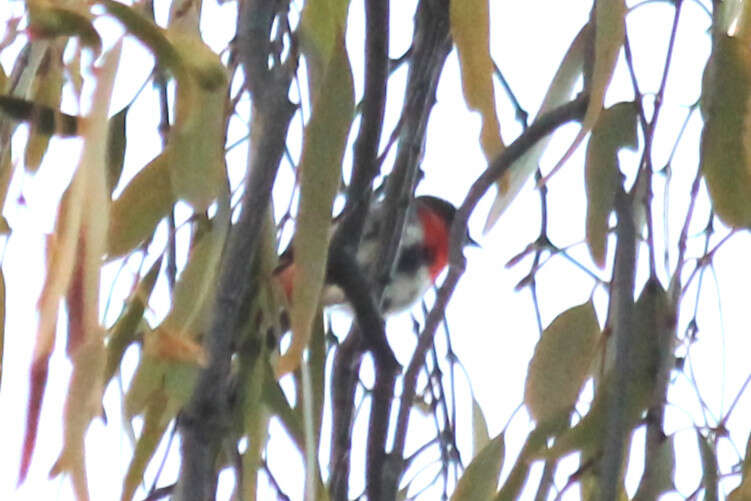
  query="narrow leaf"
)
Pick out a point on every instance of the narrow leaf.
point(725, 140)
point(658, 475)
point(610, 31)
point(561, 89)
point(480, 435)
point(116, 142)
point(470, 29)
point(154, 426)
point(323, 149)
point(615, 128)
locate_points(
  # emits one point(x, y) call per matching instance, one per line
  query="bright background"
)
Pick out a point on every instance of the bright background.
point(493, 327)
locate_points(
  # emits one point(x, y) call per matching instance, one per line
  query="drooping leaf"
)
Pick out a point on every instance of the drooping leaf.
point(191, 303)
point(610, 32)
point(322, 23)
point(615, 128)
point(470, 30)
point(47, 90)
point(86, 349)
point(725, 140)
point(148, 33)
point(116, 142)
point(49, 20)
point(196, 142)
point(480, 434)
point(560, 90)
point(658, 476)
point(135, 214)
point(652, 334)
point(154, 426)
point(323, 149)
point(124, 331)
point(480, 479)
point(561, 362)
point(517, 477)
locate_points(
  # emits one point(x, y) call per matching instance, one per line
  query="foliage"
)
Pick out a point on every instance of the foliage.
point(194, 328)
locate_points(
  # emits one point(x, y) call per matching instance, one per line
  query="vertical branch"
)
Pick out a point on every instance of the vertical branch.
point(347, 359)
point(206, 420)
point(431, 45)
point(543, 126)
point(622, 308)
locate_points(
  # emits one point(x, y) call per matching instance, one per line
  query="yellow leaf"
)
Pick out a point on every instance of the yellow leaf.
point(323, 149)
point(615, 129)
point(561, 89)
point(480, 479)
point(164, 345)
point(561, 362)
point(470, 29)
point(610, 31)
point(725, 141)
point(87, 353)
point(143, 203)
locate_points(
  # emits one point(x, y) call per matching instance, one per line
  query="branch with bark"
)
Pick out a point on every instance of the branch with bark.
point(206, 419)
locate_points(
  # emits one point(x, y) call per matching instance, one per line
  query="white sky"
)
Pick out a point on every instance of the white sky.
point(493, 327)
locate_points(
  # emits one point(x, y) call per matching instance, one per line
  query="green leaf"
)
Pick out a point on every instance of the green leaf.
point(725, 159)
point(480, 435)
point(561, 362)
point(610, 32)
point(470, 30)
point(323, 148)
point(123, 333)
point(323, 21)
point(480, 479)
point(615, 129)
point(191, 299)
point(143, 203)
point(116, 143)
point(154, 426)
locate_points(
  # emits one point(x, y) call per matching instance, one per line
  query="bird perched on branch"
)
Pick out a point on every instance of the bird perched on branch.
point(422, 255)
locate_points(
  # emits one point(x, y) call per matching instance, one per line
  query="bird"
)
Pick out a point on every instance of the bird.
point(422, 255)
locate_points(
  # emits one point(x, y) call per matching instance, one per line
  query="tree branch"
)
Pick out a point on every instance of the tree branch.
point(206, 417)
point(543, 126)
point(431, 46)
